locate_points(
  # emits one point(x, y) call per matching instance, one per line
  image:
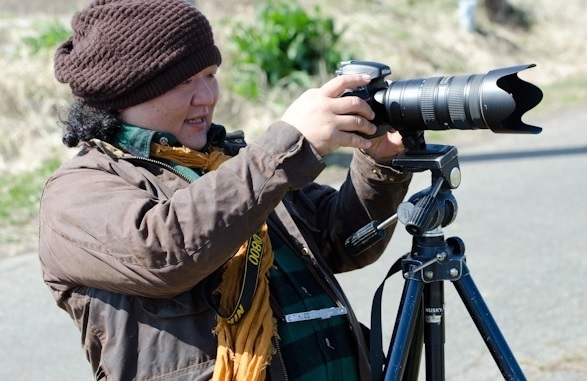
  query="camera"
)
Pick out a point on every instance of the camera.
point(496, 100)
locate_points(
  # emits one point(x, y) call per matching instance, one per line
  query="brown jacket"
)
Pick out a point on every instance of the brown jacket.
point(126, 243)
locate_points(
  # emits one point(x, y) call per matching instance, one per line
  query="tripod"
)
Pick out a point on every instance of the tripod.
point(431, 261)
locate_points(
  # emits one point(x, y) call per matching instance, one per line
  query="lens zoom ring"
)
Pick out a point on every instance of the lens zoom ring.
point(427, 103)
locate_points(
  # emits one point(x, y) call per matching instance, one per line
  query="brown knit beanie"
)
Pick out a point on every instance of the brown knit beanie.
point(125, 52)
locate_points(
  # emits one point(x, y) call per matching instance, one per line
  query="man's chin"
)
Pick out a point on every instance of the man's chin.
point(195, 144)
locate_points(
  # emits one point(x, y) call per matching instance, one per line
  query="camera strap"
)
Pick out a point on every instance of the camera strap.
point(253, 255)
point(376, 354)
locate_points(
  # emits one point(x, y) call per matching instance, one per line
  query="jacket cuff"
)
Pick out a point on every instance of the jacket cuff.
point(377, 171)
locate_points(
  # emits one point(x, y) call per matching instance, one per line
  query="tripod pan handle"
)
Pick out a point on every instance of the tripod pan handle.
point(364, 238)
point(422, 216)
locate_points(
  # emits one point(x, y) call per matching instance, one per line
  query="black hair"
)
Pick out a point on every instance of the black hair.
point(84, 123)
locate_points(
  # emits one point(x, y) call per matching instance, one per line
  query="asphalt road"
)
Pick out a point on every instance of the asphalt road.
point(522, 215)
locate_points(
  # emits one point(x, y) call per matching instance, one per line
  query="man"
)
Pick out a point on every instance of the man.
point(148, 236)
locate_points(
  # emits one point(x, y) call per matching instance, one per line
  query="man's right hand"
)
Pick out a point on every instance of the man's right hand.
point(329, 121)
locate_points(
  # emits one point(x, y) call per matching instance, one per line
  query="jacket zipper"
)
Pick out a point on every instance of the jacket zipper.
point(161, 164)
point(312, 265)
point(281, 362)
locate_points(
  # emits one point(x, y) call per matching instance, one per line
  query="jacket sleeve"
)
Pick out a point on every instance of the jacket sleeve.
point(107, 224)
point(370, 192)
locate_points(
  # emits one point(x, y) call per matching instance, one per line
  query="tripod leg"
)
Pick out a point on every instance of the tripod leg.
point(487, 327)
point(434, 337)
point(404, 330)
point(412, 368)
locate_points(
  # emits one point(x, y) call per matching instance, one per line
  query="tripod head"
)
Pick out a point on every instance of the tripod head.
point(426, 210)
point(434, 206)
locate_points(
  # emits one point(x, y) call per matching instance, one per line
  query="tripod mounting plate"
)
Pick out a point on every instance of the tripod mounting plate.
point(441, 160)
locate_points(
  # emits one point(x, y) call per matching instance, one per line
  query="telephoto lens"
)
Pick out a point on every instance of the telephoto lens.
point(496, 100)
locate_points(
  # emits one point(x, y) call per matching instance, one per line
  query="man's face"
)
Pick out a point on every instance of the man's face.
point(184, 111)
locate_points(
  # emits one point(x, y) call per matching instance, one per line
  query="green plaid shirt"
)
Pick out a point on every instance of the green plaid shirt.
point(319, 349)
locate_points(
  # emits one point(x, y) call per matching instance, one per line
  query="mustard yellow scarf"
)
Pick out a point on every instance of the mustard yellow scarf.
point(244, 348)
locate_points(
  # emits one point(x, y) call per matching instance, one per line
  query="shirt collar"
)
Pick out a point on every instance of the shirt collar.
point(137, 140)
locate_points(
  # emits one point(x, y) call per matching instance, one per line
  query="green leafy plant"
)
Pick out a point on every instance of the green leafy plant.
point(284, 44)
point(51, 34)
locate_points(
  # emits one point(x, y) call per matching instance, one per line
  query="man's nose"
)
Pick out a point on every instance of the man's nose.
point(203, 93)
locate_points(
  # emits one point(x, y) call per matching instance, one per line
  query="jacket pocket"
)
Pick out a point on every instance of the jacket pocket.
point(181, 305)
point(199, 372)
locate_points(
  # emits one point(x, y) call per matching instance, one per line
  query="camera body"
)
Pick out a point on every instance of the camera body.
point(496, 100)
point(377, 71)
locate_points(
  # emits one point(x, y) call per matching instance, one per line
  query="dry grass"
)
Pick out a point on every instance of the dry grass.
point(29, 103)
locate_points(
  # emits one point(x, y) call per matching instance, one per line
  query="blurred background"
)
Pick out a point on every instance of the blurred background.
point(273, 51)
